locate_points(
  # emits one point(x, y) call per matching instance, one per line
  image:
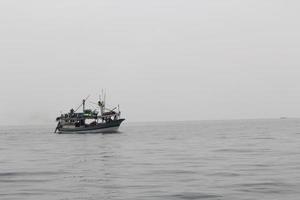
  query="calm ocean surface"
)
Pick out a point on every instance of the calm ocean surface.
point(232, 160)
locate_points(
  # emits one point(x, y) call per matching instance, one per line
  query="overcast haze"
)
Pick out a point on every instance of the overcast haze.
point(159, 59)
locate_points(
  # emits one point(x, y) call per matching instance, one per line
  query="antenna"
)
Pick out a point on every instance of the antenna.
point(101, 103)
point(83, 102)
point(104, 98)
point(83, 105)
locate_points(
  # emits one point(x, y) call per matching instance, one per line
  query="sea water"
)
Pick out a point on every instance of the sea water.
point(232, 160)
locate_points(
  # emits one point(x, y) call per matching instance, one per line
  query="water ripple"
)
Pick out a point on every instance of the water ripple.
point(218, 160)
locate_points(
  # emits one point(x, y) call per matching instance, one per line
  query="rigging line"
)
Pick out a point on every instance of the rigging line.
point(82, 103)
point(92, 105)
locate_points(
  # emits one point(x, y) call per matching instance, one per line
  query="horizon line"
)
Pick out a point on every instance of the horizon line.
point(166, 121)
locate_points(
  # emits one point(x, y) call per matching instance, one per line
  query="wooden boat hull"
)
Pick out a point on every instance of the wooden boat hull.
point(108, 127)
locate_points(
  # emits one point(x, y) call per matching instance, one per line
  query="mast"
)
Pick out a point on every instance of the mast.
point(83, 105)
point(104, 100)
point(101, 103)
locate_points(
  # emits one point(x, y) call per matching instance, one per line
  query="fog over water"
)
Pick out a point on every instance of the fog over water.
point(160, 60)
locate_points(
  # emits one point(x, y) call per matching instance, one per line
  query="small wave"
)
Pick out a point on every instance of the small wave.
point(273, 184)
point(261, 190)
point(225, 174)
point(192, 196)
point(21, 194)
point(264, 187)
point(12, 174)
point(263, 138)
point(174, 172)
point(23, 180)
point(235, 150)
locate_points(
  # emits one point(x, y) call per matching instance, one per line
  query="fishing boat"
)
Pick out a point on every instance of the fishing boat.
point(99, 120)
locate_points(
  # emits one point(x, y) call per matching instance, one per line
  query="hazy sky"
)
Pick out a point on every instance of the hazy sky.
point(159, 59)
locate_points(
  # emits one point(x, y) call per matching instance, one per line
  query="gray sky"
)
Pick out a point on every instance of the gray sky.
point(159, 59)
